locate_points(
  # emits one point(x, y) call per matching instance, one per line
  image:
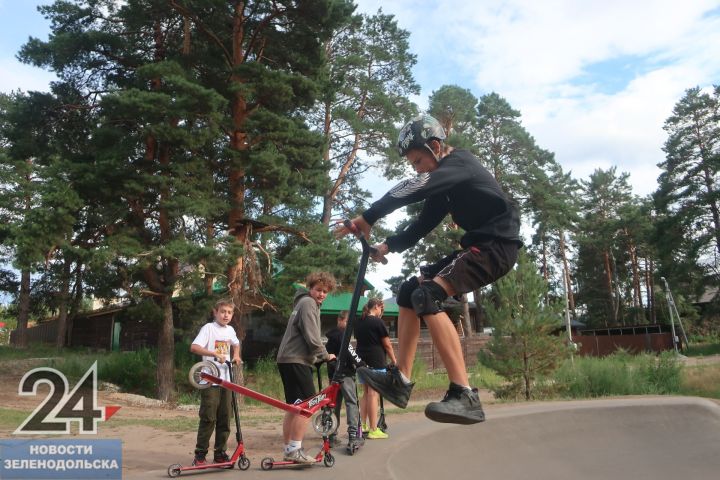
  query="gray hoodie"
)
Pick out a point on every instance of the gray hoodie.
point(301, 342)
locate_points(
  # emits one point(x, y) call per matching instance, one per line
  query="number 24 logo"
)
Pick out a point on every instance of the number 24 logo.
point(60, 408)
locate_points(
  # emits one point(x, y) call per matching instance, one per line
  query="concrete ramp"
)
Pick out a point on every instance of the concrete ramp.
point(651, 438)
point(642, 438)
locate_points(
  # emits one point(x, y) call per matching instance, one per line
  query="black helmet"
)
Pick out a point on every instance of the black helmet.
point(417, 132)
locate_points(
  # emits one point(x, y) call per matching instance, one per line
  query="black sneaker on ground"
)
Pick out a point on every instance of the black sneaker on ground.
point(390, 384)
point(460, 405)
point(198, 460)
point(221, 457)
point(354, 444)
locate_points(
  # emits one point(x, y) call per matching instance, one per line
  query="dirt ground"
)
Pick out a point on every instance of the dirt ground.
point(147, 447)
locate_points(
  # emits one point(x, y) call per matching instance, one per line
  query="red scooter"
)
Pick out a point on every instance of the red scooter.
point(238, 455)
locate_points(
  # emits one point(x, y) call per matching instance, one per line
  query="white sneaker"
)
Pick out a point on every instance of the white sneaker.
point(299, 456)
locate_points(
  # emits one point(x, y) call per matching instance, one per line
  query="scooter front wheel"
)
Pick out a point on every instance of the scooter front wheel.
point(267, 463)
point(243, 462)
point(202, 367)
point(329, 460)
point(324, 422)
point(174, 470)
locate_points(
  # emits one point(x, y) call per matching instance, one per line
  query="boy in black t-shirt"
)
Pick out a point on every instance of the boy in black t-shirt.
point(348, 389)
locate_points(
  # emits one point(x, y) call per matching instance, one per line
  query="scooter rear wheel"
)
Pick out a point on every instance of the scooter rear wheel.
point(267, 463)
point(174, 470)
point(202, 367)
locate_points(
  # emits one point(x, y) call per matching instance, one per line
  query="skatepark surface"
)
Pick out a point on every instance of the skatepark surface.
point(658, 438)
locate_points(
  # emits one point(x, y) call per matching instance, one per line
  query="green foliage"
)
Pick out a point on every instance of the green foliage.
point(133, 372)
point(299, 258)
point(265, 378)
point(619, 374)
point(523, 346)
point(10, 320)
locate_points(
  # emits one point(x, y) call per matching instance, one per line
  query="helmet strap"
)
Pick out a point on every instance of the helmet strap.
point(436, 155)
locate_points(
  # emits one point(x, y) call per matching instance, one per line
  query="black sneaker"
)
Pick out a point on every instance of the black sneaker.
point(354, 444)
point(460, 406)
point(389, 384)
point(221, 457)
point(199, 460)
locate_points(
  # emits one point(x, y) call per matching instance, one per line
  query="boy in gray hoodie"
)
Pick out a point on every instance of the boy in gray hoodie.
point(301, 348)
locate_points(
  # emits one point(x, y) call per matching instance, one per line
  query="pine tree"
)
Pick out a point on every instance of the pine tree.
point(365, 94)
point(601, 271)
point(454, 107)
point(523, 346)
point(687, 199)
point(505, 147)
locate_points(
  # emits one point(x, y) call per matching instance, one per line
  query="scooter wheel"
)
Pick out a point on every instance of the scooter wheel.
point(202, 367)
point(267, 463)
point(329, 460)
point(324, 422)
point(243, 462)
point(174, 470)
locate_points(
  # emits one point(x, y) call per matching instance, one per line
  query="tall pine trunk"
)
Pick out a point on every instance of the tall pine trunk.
point(166, 352)
point(23, 310)
point(64, 299)
point(608, 283)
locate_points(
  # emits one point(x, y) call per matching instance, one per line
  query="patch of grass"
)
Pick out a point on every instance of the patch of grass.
point(265, 378)
point(703, 349)
point(619, 374)
point(484, 377)
point(427, 380)
point(173, 424)
point(11, 419)
point(33, 351)
point(701, 381)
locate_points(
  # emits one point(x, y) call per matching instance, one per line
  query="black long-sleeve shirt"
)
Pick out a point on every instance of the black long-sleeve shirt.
point(460, 186)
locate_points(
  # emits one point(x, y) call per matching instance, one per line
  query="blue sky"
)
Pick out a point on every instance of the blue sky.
point(594, 81)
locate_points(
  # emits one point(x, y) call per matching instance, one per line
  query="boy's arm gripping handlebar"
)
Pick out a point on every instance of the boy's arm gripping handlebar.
point(374, 253)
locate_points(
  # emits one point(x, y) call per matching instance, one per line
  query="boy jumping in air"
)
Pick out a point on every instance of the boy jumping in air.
point(451, 182)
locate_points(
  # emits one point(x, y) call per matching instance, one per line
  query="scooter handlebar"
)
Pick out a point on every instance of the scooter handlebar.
point(374, 253)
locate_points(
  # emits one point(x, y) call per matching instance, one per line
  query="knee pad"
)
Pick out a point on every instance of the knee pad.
point(405, 292)
point(427, 298)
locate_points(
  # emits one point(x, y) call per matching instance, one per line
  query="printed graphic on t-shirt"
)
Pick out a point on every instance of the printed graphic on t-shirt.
point(222, 347)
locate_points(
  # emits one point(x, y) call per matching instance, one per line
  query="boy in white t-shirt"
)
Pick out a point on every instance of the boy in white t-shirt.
point(217, 342)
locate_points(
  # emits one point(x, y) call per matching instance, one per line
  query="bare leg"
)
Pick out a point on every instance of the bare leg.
point(363, 405)
point(372, 408)
point(408, 336)
point(294, 427)
point(446, 340)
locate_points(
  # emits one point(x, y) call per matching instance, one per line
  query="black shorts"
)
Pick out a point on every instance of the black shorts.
point(298, 382)
point(474, 267)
